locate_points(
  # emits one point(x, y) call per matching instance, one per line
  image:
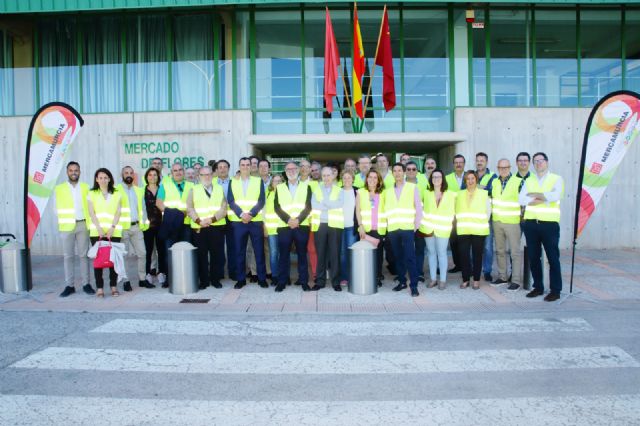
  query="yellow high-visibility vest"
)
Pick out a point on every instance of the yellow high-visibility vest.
point(65, 208)
point(452, 183)
point(548, 212)
point(271, 219)
point(105, 211)
point(206, 206)
point(245, 201)
point(358, 182)
point(472, 218)
point(125, 211)
point(293, 206)
point(366, 212)
point(335, 217)
point(174, 200)
point(389, 181)
point(438, 218)
point(400, 214)
point(505, 207)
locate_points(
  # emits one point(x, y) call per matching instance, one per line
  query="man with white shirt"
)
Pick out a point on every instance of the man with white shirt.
point(71, 206)
point(221, 168)
point(541, 195)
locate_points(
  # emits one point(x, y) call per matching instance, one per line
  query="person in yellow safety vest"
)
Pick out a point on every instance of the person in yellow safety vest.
point(485, 179)
point(419, 241)
point(422, 179)
point(292, 204)
point(455, 183)
point(246, 198)
point(382, 166)
point(372, 220)
point(429, 166)
point(541, 194)
point(172, 194)
point(403, 209)
point(350, 166)
point(271, 221)
point(264, 170)
point(327, 223)
point(104, 203)
point(437, 223)
point(134, 223)
point(349, 234)
point(305, 177)
point(364, 165)
point(71, 207)
point(506, 224)
point(207, 209)
point(473, 210)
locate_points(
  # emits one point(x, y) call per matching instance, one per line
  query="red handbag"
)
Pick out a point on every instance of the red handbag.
point(103, 257)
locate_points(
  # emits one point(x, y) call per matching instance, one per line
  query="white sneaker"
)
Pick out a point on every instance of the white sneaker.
point(149, 278)
point(161, 278)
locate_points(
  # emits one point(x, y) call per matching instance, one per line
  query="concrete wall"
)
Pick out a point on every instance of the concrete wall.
point(97, 146)
point(559, 132)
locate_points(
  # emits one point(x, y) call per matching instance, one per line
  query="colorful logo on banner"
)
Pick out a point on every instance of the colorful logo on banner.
point(614, 125)
point(53, 129)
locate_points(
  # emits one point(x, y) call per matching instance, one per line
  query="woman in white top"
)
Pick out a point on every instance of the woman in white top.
point(349, 234)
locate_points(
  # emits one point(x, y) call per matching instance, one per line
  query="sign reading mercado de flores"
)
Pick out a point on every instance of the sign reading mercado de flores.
point(185, 147)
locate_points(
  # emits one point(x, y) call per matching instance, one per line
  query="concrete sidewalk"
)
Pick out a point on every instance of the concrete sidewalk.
point(609, 277)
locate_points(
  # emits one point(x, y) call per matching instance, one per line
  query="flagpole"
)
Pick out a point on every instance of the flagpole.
point(344, 86)
point(371, 74)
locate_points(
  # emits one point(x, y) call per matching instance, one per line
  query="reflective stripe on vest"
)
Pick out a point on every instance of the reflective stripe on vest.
point(400, 214)
point(174, 200)
point(206, 206)
point(271, 219)
point(105, 212)
point(335, 217)
point(438, 218)
point(548, 212)
point(293, 206)
point(472, 219)
point(366, 210)
point(65, 207)
point(125, 210)
point(245, 201)
point(504, 205)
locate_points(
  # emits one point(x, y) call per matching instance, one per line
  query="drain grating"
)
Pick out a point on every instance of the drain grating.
point(195, 301)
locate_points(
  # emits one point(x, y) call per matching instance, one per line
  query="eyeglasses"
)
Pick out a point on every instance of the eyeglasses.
point(504, 168)
point(205, 174)
point(290, 170)
point(412, 169)
point(540, 161)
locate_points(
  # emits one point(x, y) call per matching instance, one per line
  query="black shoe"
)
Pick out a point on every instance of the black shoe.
point(253, 278)
point(127, 286)
point(146, 284)
point(68, 290)
point(535, 293)
point(88, 289)
point(421, 279)
point(379, 283)
point(305, 287)
point(499, 281)
point(487, 277)
point(337, 287)
point(552, 297)
point(414, 292)
point(317, 287)
point(240, 284)
point(165, 284)
point(399, 287)
point(296, 283)
point(203, 286)
point(270, 276)
point(280, 288)
point(263, 284)
point(216, 284)
point(513, 287)
point(454, 270)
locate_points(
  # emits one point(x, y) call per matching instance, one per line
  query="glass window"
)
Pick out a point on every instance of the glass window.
point(16, 67)
point(427, 120)
point(478, 61)
point(58, 61)
point(511, 65)
point(6, 80)
point(426, 63)
point(193, 73)
point(147, 70)
point(278, 62)
point(102, 76)
point(289, 122)
point(556, 58)
point(225, 62)
point(632, 36)
point(601, 63)
point(242, 62)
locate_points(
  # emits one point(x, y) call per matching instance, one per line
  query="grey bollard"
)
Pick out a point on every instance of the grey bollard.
point(13, 260)
point(363, 269)
point(183, 269)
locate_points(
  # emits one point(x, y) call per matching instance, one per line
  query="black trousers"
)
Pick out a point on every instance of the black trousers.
point(379, 252)
point(210, 244)
point(150, 240)
point(455, 250)
point(470, 249)
point(97, 272)
point(328, 242)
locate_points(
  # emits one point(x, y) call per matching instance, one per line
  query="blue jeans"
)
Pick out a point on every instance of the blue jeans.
point(487, 255)
point(273, 256)
point(348, 239)
point(404, 252)
point(420, 246)
point(437, 253)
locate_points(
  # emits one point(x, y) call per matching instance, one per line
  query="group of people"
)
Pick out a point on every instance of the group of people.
point(250, 222)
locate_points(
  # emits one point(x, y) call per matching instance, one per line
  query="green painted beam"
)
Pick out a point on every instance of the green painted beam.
point(48, 6)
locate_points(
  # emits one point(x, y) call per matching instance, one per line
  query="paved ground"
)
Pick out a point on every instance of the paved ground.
point(254, 357)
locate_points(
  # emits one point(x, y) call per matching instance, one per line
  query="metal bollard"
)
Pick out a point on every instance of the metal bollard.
point(183, 269)
point(13, 262)
point(363, 269)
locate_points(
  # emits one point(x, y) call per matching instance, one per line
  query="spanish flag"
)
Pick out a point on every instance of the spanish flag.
point(358, 64)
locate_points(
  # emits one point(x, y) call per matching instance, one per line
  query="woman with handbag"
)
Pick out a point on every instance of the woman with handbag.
point(437, 222)
point(370, 215)
point(105, 204)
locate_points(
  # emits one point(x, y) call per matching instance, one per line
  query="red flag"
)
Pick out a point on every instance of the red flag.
point(331, 64)
point(358, 64)
point(384, 58)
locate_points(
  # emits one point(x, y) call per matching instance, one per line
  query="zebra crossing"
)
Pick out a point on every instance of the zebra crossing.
point(351, 371)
